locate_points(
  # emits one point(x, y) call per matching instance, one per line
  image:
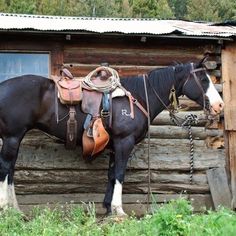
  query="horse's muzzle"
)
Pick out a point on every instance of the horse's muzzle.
point(216, 108)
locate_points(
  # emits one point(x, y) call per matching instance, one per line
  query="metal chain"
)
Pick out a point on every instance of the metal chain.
point(187, 125)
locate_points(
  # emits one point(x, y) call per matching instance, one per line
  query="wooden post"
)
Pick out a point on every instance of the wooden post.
point(229, 95)
point(220, 192)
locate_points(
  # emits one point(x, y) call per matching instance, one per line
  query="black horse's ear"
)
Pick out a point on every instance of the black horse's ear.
point(209, 65)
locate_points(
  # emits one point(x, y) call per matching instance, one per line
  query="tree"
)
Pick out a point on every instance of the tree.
point(179, 8)
point(203, 10)
point(26, 6)
point(3, 6)
point(151, 9)
point(227, 9)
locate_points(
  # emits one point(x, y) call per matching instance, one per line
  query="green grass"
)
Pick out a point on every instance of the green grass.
point(174, 218)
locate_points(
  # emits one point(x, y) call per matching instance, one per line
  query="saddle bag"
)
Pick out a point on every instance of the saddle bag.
point(69, 90)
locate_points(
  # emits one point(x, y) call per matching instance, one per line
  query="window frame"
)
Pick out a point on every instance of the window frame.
point(34, 52)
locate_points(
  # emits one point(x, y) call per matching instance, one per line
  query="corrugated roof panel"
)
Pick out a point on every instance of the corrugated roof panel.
point(109, 25)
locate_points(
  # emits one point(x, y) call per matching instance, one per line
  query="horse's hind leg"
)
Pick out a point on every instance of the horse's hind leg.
point(8, 157)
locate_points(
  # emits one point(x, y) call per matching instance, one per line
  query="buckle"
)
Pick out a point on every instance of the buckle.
point(104, 113)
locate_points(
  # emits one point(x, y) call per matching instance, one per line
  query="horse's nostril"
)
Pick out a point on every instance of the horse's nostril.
point(221, 105)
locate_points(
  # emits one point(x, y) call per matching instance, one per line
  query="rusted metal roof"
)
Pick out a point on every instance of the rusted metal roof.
point(22, 22)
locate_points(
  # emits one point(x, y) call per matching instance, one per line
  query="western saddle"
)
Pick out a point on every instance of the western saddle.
point(94, 92)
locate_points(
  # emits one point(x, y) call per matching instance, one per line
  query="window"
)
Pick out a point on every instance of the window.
point(14, 64)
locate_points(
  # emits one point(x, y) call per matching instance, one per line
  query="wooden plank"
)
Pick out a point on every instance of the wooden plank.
point(172, 132)
point(85, 177)
point(44, 154)
point(164, 119)
point(100, 187)
point(229, 86)
point(200, 202)
point(130, 56)
point(219, 187)
point(232, 162)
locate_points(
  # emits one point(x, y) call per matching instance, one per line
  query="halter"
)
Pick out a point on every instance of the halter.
point(193, 72)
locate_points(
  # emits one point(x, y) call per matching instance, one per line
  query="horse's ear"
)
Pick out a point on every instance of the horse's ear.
point(209, 65)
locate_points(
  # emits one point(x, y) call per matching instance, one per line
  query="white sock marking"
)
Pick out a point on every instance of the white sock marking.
point(116, 204)
point(4, 193)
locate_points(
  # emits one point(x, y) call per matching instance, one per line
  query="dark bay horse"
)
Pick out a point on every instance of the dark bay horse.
point(28, 102)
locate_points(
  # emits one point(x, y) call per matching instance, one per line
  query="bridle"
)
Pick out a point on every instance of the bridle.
point(194, 76)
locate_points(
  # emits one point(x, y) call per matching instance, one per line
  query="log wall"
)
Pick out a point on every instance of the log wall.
point(47, 173)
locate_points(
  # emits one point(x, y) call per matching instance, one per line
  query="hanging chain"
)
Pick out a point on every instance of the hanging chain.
point(187, 125)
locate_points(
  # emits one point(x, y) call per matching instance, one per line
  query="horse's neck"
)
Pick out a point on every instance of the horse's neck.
point(159, 91)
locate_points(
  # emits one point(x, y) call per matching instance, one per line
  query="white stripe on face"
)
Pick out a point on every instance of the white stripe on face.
point(212, 93)
point(215, 100)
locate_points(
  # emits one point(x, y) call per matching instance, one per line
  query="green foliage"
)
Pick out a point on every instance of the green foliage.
point(203, 10)
point(200, 10)
point(3, 5)
point(152, 9)
point(174, 218)
point(26, 6)
point(179, 7)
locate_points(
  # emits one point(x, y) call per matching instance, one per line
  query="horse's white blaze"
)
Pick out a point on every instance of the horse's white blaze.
point(215, 99)
point(4, 193)
point(116, 204)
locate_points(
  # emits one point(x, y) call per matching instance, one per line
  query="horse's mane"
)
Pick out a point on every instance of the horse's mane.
point(160, 78)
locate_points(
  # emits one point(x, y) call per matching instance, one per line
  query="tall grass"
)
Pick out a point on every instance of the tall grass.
point(174, 218)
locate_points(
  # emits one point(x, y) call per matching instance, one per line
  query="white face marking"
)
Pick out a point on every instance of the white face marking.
point(4, 193)
point(212, 94)
point(116, 204)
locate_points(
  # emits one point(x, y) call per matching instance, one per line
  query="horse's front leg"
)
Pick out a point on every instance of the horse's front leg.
point(122, 150)
point(8, 157)
point(110, 184)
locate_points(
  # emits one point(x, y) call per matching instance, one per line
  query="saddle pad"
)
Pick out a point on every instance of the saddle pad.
point(118, 92)
point(91, 102)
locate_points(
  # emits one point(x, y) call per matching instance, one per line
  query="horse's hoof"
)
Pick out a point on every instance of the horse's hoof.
point(119, 212)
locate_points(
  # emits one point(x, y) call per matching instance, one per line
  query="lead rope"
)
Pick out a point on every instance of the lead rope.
point(149, 122)
point(187, 125)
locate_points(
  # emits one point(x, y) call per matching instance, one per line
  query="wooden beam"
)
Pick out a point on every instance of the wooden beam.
point(229, 95)
point(219, 187)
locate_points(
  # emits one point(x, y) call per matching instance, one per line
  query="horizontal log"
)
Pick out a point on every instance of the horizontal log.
point(124, 56)
point(44, 154)
point(172, 132)
point(84, 177)
point(164, 118)
point(131, 202)
point(51, 188)
point(81, 70)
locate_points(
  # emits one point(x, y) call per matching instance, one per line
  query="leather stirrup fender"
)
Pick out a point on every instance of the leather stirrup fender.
point(95, 144)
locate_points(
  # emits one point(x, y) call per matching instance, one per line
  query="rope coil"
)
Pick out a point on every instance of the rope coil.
point(107, 85)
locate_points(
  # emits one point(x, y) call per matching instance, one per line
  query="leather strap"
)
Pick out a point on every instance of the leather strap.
point(71, 136)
